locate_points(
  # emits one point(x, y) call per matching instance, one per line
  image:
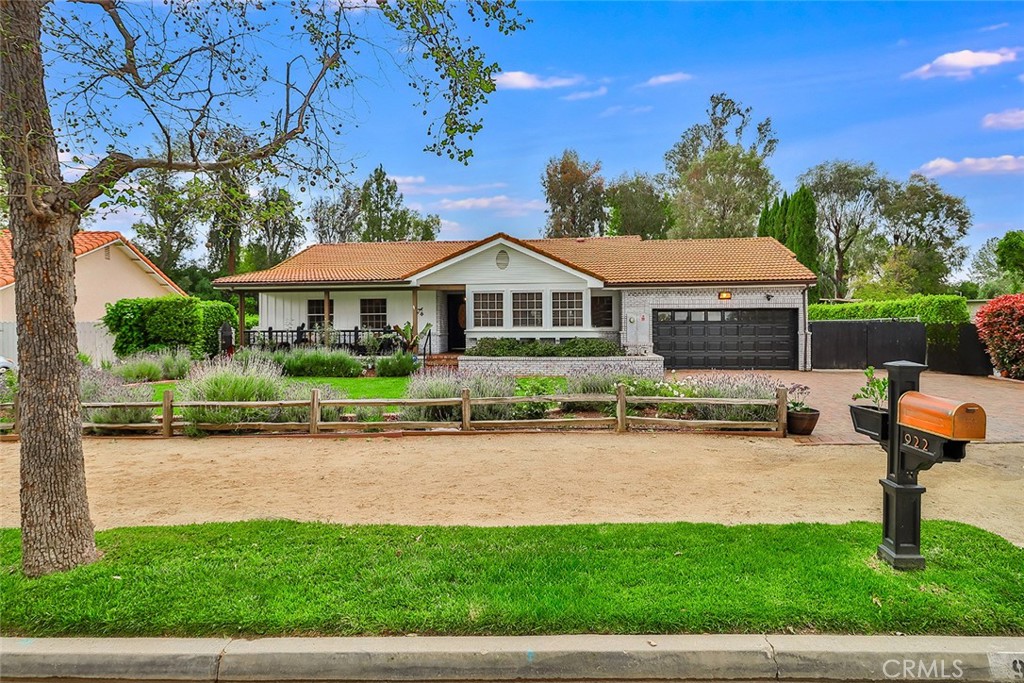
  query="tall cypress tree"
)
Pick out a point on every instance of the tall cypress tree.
point(802, 238)
point(764, 222)
point(781, 229)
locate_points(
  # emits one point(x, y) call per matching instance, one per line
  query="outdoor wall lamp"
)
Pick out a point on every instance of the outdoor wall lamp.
point(769, 297)
point(725, 296)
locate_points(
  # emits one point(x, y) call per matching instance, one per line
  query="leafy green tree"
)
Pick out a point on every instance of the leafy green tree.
point(276, 229)
point(721, 195)
point(846, 200)
point(1010, 253)
point(802, 231)
point(928, 225)
point(574, 190)
point(637, 207)
point(719, 179)
point(337, 218)
point(172, 211)
point(180, 70)
point(991, 279)
point(384, 216)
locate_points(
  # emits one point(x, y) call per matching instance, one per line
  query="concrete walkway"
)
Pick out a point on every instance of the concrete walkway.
point(577, 658)
point(832, 392)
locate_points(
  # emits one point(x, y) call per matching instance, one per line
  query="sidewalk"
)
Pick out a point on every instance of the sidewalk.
point(534, 658)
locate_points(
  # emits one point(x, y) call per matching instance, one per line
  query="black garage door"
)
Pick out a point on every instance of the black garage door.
point(764, 339)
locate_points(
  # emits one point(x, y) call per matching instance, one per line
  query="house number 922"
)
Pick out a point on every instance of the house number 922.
point(915, 442)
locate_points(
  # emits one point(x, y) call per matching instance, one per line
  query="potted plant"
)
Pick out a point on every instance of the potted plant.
point(872, 420)
point(800, 418)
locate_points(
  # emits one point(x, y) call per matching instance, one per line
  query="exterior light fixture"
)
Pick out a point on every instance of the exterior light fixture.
point(725, 296)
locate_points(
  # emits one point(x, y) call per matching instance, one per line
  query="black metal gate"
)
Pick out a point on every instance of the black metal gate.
point(856, 344)
point(738, 339)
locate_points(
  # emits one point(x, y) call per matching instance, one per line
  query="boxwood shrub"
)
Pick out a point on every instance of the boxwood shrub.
point(534, 348)
point(166, 322)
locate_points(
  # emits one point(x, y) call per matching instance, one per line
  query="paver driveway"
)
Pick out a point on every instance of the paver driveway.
point(831, 392)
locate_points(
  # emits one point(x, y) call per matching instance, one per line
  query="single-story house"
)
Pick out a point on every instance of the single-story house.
point(714, 303)
point(107, 268)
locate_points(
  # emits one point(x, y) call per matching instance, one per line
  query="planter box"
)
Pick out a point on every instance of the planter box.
point(870, 421)
point(652, 367)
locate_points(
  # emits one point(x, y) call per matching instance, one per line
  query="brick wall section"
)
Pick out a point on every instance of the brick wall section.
point(637, 304)
point(650, 366)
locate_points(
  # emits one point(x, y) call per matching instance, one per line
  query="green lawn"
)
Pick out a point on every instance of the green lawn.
point(354, 387)
point(281, 577)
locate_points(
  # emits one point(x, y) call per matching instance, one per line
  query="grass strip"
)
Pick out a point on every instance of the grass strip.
point(266, 578)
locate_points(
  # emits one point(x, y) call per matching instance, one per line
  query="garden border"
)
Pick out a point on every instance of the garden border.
point(168, 425)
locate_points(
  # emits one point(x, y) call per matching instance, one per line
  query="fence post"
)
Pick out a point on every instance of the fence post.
point(467, 410)
point(620, 408)
point(314, 411)
point(17, 414)
point(167, 419)
point(782, 400)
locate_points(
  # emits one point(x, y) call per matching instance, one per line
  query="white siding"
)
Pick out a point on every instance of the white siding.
point(287, 310)
point(482, 269)
point(93, 339)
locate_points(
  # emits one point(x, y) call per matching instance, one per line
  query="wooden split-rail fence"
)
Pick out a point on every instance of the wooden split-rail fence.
point(168, 423)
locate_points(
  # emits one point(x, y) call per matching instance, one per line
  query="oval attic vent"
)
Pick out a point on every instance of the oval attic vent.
point(501, 260)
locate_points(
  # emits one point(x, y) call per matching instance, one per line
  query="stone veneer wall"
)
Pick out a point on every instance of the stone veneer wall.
point(637, 305)
point(650, 366)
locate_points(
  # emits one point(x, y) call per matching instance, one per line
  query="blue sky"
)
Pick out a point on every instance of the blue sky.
point(907, 86)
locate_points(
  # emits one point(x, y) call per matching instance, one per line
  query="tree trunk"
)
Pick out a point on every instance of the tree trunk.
point(57, 533)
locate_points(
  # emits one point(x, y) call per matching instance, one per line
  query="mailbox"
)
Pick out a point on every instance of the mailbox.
point(923, 431)
point(942, 417)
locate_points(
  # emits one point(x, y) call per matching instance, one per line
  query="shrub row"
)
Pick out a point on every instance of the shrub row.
point(534, 348)
point(140, 325)
point(940, 308)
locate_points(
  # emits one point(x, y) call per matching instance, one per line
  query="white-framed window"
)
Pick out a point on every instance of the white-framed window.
point(373, 313)
point(567, 309)
point(601, 311)
point(527, 309)
point(488, 309)
point(315, 314)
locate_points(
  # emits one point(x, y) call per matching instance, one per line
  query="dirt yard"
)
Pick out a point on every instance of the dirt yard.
point(520, 479)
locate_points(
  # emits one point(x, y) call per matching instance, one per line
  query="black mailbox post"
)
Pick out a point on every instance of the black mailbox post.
point(928, 430)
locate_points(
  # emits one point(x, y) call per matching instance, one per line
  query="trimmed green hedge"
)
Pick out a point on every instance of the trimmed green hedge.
point(140, 325)
point(929, 309)
point(580, 347)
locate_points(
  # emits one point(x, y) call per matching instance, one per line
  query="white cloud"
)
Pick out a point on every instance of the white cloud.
point(1011, 119)
point(521, 80)
point(1000, 165)
point(503, 204)
point(995, 27)
point(586, 94)
point(620, 109)
point(417, 185)
point(450, 229)
point(962, 64)
point(666, 79)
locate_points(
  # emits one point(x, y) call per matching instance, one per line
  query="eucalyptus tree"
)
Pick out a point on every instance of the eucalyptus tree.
point(575, 193)
point(121, 72)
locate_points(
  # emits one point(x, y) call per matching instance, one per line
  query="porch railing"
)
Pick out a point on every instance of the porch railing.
point(355, 340)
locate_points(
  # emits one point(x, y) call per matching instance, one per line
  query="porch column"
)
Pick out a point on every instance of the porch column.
point(241, 320)
point(415, 316)
point(325, 335)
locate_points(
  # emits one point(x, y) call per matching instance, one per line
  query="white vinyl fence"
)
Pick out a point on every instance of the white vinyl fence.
point(93, 339)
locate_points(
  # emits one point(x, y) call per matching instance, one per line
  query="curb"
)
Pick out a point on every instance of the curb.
point(577, 658)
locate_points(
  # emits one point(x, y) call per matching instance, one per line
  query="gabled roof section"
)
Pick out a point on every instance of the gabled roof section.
point(503, 238)
point(615, 261)
point(85, 242)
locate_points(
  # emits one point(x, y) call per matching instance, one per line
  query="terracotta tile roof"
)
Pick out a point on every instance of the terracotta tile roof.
point(614, 260)
point(85, 241)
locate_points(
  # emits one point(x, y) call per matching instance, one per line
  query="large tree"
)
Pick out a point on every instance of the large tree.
point(336, 218)
point(179, 70)
point(172, 210)
point(637, 206)
point(383, 216)
point(1010, 253)
point(276, 230)
point(846, 198)
point(574, 190)
point(718, 174)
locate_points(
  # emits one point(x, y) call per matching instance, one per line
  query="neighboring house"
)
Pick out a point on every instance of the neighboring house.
point(107, 268)
point(717, 303)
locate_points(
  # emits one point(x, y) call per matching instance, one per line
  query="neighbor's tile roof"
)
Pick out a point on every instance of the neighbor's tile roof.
point(85, 241)
point(615, 260)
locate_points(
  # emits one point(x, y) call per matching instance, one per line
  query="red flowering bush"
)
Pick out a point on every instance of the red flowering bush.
point(1001, 327)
